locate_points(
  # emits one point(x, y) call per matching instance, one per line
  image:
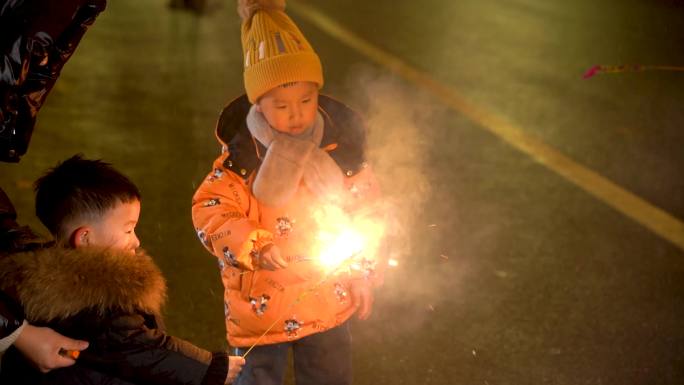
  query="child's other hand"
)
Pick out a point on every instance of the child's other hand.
point(270, 258)
point(235, 364)
point(362, 297)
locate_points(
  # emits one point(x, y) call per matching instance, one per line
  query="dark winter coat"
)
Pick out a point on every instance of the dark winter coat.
point(37, 37)
point(11, 315)
point(111, 299)
point(13, 238)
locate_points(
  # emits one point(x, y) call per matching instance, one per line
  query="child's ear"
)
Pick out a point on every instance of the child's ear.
point(80, 237)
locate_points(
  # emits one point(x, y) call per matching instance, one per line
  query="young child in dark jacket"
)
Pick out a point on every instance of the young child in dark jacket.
point(96, 285)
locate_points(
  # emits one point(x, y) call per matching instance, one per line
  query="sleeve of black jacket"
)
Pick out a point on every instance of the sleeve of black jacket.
point(37, 38)
point(11, 315)
point(135, 349)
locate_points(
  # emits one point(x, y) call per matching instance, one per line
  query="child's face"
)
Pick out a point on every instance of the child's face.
point(290, 109)
point(116, 228)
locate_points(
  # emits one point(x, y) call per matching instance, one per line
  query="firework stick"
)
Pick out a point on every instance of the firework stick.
point(280, 317)
point(73, 354)
point(298, 299)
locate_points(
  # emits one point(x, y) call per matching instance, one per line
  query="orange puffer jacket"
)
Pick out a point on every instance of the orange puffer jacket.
point(299, 300)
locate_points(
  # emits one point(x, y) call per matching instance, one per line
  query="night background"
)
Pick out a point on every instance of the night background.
point(538, 215)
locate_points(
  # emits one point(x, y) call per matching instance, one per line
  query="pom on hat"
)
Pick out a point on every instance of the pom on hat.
point(247, 8)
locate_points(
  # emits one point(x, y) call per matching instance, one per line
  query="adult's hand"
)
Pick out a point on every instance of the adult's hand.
point(41, 346)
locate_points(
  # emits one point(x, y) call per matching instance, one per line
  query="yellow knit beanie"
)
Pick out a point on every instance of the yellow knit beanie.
point(275, 51)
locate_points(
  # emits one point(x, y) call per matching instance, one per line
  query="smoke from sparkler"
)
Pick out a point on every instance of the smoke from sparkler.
point(403, 130)
point(397, 143)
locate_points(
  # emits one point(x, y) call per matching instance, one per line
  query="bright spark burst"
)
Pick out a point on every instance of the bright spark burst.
point(344, 236)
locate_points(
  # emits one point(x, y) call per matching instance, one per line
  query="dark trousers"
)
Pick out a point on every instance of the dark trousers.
point(319, 359)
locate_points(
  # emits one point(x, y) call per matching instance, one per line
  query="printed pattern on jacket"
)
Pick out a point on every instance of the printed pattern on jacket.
point(233, 225)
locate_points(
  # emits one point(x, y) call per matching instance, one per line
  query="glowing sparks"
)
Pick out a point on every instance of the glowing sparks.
point(339, 247)
point(343, 236)
point(343, 240)
point(73, 354)
point(393, 262)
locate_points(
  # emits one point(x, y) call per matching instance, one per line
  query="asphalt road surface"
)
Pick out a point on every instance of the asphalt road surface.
point(538, 225)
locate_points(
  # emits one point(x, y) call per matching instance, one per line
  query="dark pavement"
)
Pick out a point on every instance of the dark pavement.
point(508, 272)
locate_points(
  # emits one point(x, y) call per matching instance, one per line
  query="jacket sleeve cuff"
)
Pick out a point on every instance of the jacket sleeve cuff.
point(248, 254)
point(6, 342)
point(218, 369)
point(11, 315)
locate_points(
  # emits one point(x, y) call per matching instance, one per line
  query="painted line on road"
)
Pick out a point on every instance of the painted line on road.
point(657, 220)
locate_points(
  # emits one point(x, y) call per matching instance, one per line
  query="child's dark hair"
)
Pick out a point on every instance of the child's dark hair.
point(80, 187)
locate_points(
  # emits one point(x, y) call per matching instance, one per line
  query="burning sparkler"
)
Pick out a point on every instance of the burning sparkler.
point(345, 242)
point(73, 354)
point(298, 300)
point(344, 236)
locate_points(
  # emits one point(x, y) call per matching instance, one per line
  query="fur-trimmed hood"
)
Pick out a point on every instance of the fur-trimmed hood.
point(57, 283)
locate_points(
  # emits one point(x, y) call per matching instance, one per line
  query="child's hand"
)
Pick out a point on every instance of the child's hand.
point(235, 364)
point(270, 259)
point(362, 297)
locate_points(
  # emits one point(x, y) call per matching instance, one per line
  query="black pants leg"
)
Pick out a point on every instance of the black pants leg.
point(265, 365)
point(319, 359)
point(324, 358)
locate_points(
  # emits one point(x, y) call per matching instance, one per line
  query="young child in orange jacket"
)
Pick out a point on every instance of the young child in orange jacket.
point(286, 151)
